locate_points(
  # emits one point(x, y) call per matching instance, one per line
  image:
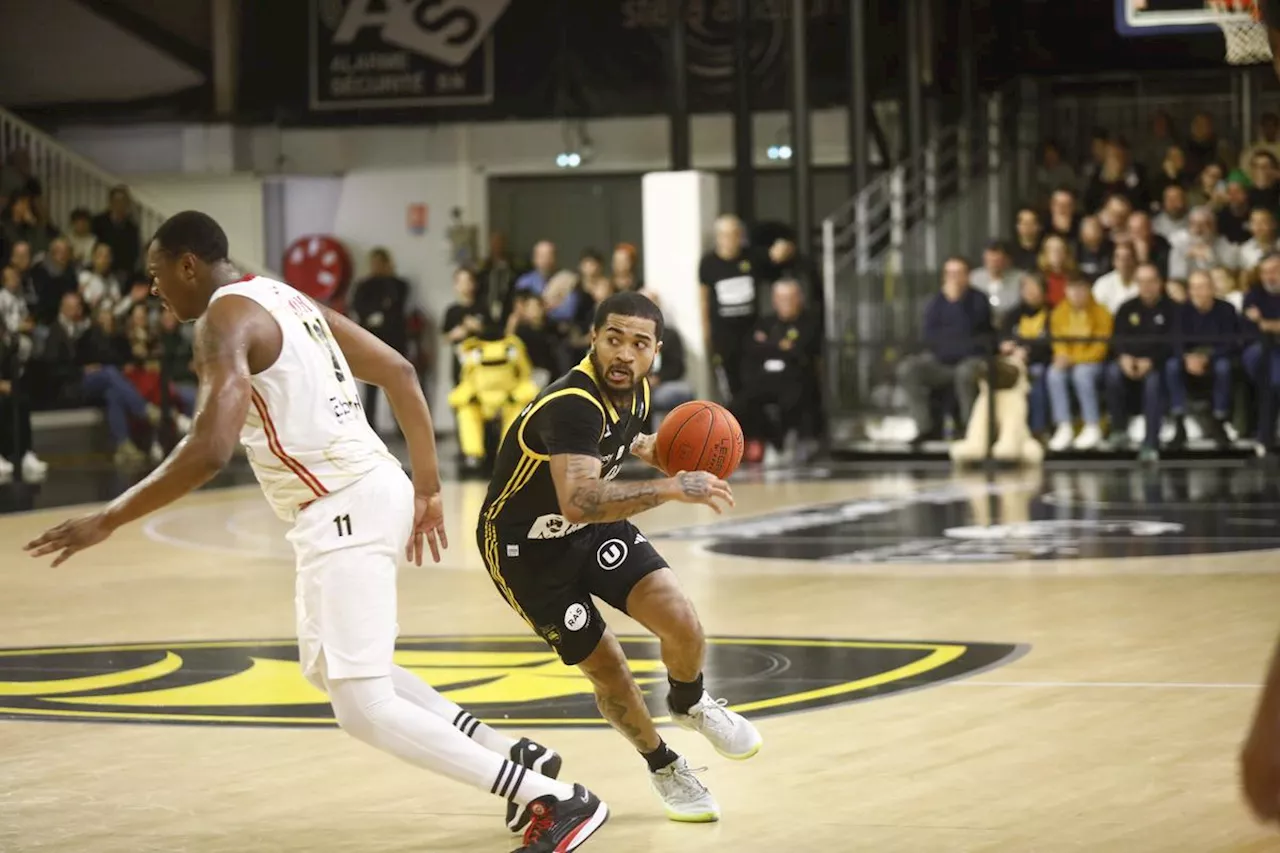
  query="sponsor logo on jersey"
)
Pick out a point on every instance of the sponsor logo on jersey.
point(506, 681)
point(577, 617)
point(611, 554)
point(552, 527)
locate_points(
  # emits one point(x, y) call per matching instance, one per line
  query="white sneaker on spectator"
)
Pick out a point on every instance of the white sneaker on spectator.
point(157, 453)
point(1061, 439)
point(6, 469)
point(1089, 438)
point(182, 423)
point(33, 467)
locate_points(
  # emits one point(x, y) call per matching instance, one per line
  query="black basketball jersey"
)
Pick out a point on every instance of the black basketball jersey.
point(571, 415)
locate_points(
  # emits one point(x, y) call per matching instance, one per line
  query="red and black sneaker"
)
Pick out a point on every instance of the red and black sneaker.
point(558, 826)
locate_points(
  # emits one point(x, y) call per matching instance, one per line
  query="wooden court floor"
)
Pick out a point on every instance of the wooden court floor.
point(1077, 677)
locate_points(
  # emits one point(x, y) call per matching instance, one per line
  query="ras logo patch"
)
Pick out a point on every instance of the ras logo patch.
point(507, 681)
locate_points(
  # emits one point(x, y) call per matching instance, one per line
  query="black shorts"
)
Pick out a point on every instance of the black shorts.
point(550, 582)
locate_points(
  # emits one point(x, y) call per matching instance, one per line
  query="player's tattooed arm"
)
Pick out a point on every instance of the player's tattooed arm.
point(586, 499)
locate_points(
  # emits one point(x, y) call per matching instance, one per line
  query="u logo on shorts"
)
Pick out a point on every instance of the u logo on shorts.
point(611, 554)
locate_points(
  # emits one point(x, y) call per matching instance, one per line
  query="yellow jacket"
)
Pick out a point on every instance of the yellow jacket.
point(1091, 321)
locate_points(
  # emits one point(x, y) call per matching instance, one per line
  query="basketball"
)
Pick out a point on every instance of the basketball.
point(700, 436)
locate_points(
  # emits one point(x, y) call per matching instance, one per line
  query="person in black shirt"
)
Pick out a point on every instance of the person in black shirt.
point(779, 366)
point(1264, 171)
point(1029, 235)
point(466, 317)
point(539, 342)
point(555, 535)
point(729, 302)
point(54, 277)
point(380, 305)
point(116, 227)
point(667, 379)
point(1140, 361)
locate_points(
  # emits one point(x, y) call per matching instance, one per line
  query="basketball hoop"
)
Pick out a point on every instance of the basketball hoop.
point(1246, 34)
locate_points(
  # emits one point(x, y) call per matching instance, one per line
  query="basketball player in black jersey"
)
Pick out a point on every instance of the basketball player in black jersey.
point(555, 536)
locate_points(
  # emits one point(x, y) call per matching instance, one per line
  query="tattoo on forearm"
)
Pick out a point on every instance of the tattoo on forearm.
point(599, 501)
point(694, 486)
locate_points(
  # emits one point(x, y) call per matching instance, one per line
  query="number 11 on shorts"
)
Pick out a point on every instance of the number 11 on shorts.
point(343, 523)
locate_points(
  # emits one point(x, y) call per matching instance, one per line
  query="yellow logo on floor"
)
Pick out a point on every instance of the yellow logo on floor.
point(502, 680)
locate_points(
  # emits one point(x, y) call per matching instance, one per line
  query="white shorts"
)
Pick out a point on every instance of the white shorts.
point(349, 546)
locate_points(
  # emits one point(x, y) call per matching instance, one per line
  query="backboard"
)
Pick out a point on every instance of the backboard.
point(1170, 17)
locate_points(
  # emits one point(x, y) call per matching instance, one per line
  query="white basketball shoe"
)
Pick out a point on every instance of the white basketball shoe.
point(683, 795)
point(729, 732)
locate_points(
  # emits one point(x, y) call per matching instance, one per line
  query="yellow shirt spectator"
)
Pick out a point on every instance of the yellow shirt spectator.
point(1087, 320)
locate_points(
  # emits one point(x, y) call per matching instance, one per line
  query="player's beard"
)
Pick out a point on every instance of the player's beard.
point(615, 393)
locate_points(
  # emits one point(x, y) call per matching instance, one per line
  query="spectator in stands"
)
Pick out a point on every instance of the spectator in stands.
point(623, 265)
point(380, 305)
point(1268, 140)
point(1226, 286)
point(1053, 173)
point(1099, 142)
point(1141, 343)
point(87, 358)
point(544, 266)
point(591, 270)
point(81, 236)
point(1078, 363)
point(116, 227)
point(15, 317)
point(1233, 217)
point(139, 293)
point(997, 278)
point(784, 260)
point(17, 177)
point(1176, 290)
point(1173, 215)
point(539, 342)
point(779, 366)
point(729, 300)
point(20, 260)
point(22, 226)
point(1264, 172)
point(15, 414)
point(1118, 176)
point(1024, 337)
point(1202, 356)
point(1157, 142)
point(1063, 219)
point(1150, 247)
point(956, 332)
point(574, 337)
point(54, 277)
point(1261, 315)
point(1029, 233)
point(667, 384)
point(1093, 250)
point(1262, 242)
point(177, 356)
point(466, 317)
point(495, 279)
point(1200, 247)
point(1205, 147)
point(1114, 217)
point(1172, 172)
point(1057, 266)
point(1210, 189)
point(98, 284)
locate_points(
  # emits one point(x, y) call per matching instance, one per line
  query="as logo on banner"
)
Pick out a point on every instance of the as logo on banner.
point(402, 53)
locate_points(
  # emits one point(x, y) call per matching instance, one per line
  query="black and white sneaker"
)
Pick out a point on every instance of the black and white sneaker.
point(558, 826)
point(539, 759)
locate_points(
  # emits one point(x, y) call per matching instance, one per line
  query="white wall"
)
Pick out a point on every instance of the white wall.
point(234, 200)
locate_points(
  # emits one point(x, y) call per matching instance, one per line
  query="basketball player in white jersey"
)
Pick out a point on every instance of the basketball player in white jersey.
point(280, 372)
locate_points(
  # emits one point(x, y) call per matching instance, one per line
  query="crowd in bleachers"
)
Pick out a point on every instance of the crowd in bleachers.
point(1139, 283)
point(762, 334)
point(79, 327)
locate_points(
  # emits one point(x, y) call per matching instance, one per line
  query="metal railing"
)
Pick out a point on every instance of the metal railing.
point(70, 181)
point(881, 250)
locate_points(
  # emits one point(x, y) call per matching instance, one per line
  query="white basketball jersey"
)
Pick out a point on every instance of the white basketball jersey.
point(306, 435)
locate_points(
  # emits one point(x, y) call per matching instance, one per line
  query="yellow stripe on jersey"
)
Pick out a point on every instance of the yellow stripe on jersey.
point(554, 395)
point(527, 467)
point(645, 382)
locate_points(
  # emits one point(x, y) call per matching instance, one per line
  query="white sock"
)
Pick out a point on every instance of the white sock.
point(370, 710)
point(417, 691)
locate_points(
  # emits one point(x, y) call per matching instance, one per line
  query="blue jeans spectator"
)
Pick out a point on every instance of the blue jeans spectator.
point(1219, 372)
point(1118, 386)
point(1084, 379)
point(109, 387)
point(1256, 368)
point(1038, 398)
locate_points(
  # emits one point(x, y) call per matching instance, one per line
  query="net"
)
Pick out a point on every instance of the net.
point(1246, 35)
